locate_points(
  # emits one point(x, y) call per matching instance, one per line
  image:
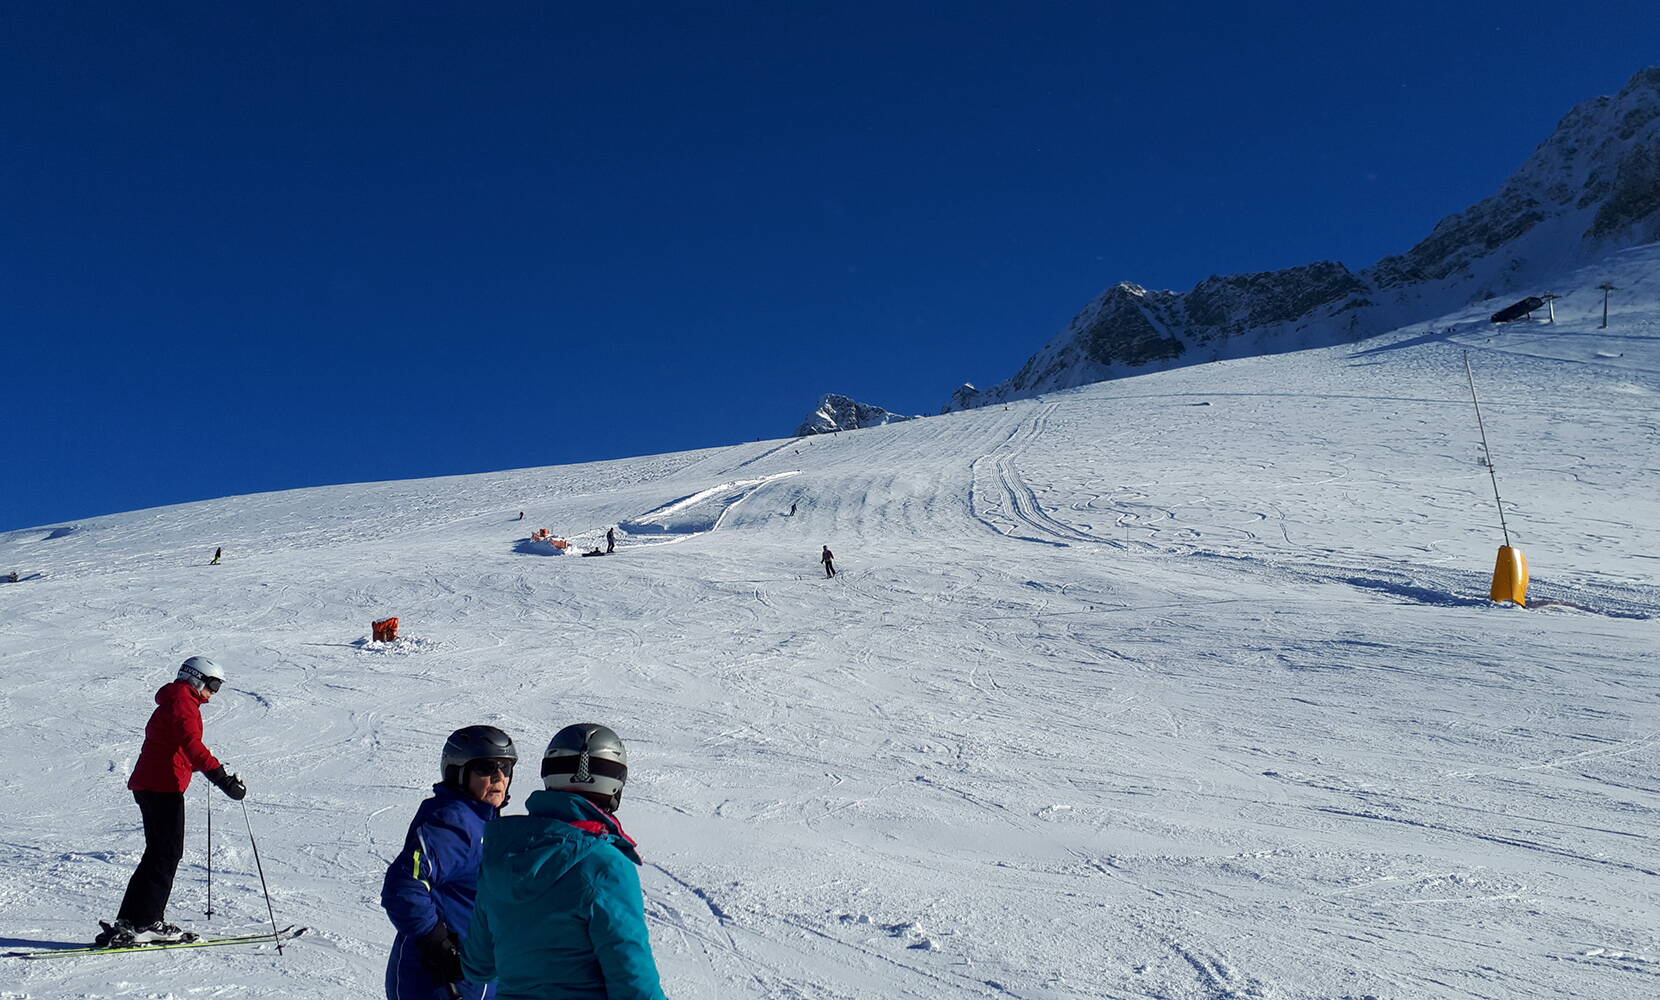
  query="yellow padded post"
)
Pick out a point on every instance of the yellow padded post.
point(1510, 576)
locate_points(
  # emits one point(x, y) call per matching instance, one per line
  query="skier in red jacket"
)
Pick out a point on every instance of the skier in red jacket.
point(173, 751)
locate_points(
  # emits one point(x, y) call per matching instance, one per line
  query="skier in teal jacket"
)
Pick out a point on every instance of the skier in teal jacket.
point(560, 914)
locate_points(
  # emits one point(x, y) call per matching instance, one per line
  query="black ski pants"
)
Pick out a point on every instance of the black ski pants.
point(151, 885)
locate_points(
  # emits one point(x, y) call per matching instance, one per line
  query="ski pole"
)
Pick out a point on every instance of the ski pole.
point(206, 791)
point(268, 911)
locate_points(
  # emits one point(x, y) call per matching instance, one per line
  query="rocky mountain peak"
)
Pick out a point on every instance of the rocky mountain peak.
point(843, 413)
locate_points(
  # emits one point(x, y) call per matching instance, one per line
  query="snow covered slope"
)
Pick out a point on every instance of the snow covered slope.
point(1181, 686)
point(1592, 187)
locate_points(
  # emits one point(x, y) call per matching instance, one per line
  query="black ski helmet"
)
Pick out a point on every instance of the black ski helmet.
point(587, 758)
point(473, 743)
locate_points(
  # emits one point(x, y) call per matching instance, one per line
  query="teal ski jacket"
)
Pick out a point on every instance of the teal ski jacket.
point(560, 914)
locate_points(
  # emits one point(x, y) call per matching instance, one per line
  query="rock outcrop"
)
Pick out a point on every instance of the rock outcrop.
point(842, 413)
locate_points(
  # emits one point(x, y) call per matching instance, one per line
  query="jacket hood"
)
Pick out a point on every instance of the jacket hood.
point(538, 851)
point(174, 690)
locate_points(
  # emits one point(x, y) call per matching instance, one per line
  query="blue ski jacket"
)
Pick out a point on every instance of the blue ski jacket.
point(560, 912)
point(434, 878)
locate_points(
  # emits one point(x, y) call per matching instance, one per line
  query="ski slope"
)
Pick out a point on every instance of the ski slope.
point(1183, 686)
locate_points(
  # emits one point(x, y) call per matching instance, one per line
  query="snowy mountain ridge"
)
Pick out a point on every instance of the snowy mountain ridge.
point(1591, 187)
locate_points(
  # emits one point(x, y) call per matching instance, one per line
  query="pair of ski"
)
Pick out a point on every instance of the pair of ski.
point(286, 934)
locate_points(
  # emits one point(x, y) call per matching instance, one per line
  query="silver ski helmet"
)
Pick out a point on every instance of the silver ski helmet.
point(202, 672)
point(474, 743)
point(587, 758)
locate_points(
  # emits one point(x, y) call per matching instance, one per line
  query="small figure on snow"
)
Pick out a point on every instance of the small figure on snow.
point(610, 541)
point(13, 577)
point(173, 751)
point(521, 515)
point(829, 561)
point(431, 887)
point(217, 553)
point(560, 911)
point(792, 510)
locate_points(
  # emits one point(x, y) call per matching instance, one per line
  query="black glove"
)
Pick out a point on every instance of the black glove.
point(230, 784)
point(441, 953)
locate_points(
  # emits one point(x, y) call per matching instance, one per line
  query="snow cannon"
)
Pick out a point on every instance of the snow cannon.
point(1510, 576)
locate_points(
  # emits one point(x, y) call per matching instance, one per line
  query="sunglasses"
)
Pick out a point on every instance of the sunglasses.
point(490, 768)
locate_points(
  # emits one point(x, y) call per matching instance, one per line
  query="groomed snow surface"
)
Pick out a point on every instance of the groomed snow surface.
point(1183, 686)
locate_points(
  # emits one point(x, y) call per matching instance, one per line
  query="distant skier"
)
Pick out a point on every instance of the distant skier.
point(829, 561)
point(792, 510)
point(173, 751)
point(521, 515)
point(610, 541)
point(217, 553)
point(560, 912)
point(431, 887)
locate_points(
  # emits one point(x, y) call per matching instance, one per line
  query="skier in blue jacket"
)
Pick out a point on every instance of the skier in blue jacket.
point(430, 886)
point(560, 913)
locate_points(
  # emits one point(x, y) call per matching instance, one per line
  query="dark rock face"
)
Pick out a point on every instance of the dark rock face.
point(1236, 302)
point(965, 398)
point(1592, 187)
point(1635, 195)
point(1121, 332)
point(842, 413)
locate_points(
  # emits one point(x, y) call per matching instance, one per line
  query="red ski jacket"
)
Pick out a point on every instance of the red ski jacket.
point(173, 747)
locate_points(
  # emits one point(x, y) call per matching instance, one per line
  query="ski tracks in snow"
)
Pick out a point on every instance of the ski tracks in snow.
point(1003, 501)
point(755, 952)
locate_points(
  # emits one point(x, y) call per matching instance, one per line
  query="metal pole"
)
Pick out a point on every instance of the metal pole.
point(268, 911)
point(209, 796)
point(1607, 286)
point(1489, 452)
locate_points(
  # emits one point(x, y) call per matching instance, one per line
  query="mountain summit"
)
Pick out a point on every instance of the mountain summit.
point(836, 412)
point(1592, 187)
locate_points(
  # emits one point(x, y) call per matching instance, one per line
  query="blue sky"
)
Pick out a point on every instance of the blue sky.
point(248, 247)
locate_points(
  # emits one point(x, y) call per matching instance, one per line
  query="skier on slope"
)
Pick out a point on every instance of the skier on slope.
point(173, 751)
point(560, 910)
point(829, 561)
point(430, 887)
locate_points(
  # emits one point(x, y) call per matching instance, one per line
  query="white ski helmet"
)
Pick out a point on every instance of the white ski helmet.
point(472, 743)
point(202, 672)
point(588, 758)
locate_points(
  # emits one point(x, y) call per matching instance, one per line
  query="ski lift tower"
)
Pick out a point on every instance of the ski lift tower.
point(1550, 303)
point(1607, 286)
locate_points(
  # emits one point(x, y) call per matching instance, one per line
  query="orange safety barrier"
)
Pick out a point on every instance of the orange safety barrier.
point(385, 630)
